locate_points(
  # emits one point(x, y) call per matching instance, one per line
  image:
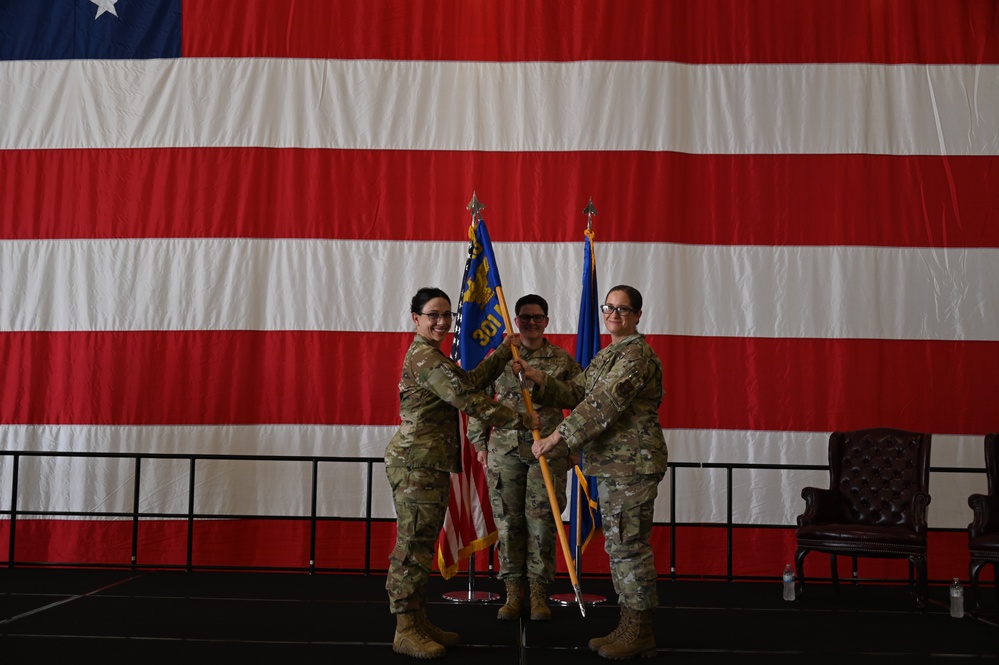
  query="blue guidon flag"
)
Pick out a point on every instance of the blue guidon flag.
point(479, 326)
point(584, 512)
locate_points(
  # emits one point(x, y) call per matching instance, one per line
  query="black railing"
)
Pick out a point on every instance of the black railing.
point(192, 516)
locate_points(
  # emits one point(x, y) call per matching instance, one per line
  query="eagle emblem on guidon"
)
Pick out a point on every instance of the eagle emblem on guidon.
point(477, 289)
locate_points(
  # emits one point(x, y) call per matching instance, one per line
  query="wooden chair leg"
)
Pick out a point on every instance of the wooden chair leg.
point(799, 569)
point(834, 571)
point(974, 568)
point(919, 563)
point(914, 578)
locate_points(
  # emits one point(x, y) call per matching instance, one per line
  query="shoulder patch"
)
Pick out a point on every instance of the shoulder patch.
point(625, 388)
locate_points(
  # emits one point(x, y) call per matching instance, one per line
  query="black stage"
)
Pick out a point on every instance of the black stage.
point(102, 616)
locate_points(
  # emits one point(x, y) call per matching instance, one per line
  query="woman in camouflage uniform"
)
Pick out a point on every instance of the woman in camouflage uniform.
point(517, 492)
point(423, 453)
point(615, 417)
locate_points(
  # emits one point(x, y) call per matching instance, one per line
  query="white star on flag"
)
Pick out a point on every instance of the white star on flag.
point(104, 6)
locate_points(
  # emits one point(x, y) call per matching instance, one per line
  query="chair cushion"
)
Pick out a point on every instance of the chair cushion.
point(861, 537)
point(986, 544)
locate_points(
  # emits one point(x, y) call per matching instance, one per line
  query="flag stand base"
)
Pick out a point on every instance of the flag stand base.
point(471, 596)
point(570, 598)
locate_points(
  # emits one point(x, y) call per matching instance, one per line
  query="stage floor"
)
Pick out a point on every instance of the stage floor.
point(95, 616)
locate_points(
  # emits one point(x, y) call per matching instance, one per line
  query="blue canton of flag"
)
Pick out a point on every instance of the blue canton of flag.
point(584, 514)
point(90, 29)
point(479, 326)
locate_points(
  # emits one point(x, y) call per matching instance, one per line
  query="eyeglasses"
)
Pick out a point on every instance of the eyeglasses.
point(621, 311)
point(437, 316)
point(532, 318)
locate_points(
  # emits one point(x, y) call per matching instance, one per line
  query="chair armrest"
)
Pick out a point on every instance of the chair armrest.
point(821, 505)
point(986, 510)
point(920, 502)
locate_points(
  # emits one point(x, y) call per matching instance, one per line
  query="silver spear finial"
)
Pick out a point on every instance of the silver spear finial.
point(474, 206)
point(590, 213)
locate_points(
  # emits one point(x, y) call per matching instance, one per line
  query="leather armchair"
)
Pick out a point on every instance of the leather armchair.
point(983, 532)
point(875, 505)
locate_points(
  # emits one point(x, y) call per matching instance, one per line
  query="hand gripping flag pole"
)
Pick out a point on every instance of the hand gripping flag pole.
point(475, 207)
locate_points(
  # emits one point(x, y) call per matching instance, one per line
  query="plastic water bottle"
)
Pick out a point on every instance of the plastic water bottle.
point(956, 599)
point(788, 582)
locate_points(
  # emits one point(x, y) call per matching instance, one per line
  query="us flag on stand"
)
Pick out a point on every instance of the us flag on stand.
point(213, 214)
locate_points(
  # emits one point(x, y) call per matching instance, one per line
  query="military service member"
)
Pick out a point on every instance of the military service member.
point(615, 416)
point(517, 491)
point(424, 452)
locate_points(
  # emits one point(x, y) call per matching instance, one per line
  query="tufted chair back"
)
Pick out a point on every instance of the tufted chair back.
point(878, 473)
point(875, 505)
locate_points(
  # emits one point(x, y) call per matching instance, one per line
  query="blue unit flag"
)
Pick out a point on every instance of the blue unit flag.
point(479, 326)
point(584, 512)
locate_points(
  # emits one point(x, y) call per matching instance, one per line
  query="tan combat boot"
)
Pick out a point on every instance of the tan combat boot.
point(635, 639)
point(539, 602)
point(411, 640)
point(598, 642)
point(439, 635)
point(514, 601)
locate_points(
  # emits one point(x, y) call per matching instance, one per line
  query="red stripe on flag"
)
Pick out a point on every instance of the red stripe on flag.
point(281, 377)
point(209, 377)
point(867, 200)
point(707, 31)
point(828, 384)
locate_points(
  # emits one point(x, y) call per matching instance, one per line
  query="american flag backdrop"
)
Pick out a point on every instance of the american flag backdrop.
point(213, 214)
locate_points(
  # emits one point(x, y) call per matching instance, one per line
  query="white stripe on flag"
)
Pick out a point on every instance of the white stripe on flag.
point(217, 284)
point(400, 105)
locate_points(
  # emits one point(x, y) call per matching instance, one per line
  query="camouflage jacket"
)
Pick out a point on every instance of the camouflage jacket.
point(551, 359)
point(615, 410)
point(431, 391)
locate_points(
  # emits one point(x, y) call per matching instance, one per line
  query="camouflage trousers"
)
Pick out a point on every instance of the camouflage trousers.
point(522, 512)
point(626, 507)
point(420, 497)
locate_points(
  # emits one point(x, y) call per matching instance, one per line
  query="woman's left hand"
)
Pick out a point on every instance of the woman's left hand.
point(542, 447)
point(530, 373)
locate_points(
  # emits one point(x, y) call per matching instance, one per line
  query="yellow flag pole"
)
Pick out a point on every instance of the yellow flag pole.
point(474, 206)
point(545, 471)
